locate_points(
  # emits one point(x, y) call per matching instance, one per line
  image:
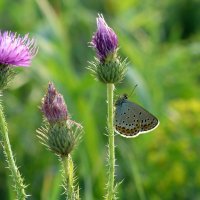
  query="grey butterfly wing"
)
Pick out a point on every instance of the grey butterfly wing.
point(126, 122)
point(131, 119)
point(147, 120)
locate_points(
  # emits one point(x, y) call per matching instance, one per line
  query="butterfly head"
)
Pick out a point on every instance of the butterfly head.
point(125, 96)
point(121, 99)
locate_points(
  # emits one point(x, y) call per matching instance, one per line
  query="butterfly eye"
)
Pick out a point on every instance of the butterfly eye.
point(125, 96)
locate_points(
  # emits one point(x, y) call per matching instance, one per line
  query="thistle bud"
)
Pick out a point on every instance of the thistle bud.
point(53, 106)
point(107, 67)
point(104, 41)
point(59, 133)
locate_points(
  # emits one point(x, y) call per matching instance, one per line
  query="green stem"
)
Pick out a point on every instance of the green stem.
point(69, 176)
point(111, 145)
point(15, 174)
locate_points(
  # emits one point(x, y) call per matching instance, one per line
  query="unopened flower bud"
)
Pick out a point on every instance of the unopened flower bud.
point(107, 67)
point(59, 133)
point(104, 41)
point(53, 106)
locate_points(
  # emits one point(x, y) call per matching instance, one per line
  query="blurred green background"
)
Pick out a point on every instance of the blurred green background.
point(161, 40)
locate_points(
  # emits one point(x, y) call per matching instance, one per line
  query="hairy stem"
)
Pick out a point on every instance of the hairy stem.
point(69, 176)
point(15, 174)
point(111, 146)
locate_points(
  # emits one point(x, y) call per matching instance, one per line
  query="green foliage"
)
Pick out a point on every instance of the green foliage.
point(160, 40)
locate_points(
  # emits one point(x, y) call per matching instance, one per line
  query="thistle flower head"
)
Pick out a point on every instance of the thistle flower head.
point(16, 50)
point(104, 41)
point(59, 133)
point(107, 67)
point(53, 106)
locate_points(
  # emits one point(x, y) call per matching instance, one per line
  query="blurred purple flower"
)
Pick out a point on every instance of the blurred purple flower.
point(53, 106)
point(104, 41)
point(16, 50)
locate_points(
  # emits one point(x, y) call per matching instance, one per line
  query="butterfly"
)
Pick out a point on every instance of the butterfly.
point(131, 119)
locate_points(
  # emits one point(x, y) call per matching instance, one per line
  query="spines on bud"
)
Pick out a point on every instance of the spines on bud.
point(111, 72)
point(60, 138)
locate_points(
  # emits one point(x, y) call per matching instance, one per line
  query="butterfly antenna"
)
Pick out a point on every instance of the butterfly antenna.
point(133, 90)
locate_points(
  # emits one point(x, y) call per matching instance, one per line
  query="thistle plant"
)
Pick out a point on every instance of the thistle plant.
point(108, 68)
point(15, 51)
point(60, 135)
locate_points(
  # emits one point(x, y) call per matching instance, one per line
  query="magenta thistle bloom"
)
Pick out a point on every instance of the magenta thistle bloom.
point(53, 106)
point(104, 41)
point(16, 50)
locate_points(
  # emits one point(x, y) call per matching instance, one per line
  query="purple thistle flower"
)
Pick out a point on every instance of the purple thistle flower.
point(16, 50)
point(53, 106)
point(104, 41)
